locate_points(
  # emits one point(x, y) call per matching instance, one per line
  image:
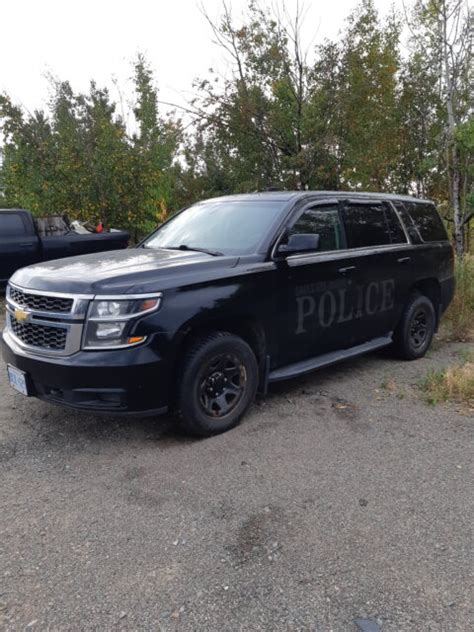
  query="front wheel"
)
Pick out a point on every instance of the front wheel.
point(219, 382)
point(417, 325)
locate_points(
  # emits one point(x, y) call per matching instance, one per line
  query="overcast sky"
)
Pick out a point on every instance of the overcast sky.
point(99, 38)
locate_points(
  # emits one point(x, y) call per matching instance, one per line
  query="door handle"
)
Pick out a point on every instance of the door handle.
point(404, 260)
point(348, 269)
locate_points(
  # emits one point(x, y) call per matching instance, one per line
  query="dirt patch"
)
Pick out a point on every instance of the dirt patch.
point(333, 499)
point(259, 536)
point(345, 409)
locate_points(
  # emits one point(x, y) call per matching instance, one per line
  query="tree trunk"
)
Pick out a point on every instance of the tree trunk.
point(455, 195)
point(454, 173)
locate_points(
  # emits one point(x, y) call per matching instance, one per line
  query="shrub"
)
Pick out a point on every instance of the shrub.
point(456, 383)
point(458, 321)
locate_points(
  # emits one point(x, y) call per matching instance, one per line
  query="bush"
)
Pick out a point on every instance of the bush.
point(458, 322)
point(456, 383)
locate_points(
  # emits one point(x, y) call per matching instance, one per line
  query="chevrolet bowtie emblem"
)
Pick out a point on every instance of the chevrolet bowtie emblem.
point(20, 314)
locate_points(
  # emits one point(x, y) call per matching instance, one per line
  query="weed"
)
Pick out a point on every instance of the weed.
point(456, 383)
point(458, 321)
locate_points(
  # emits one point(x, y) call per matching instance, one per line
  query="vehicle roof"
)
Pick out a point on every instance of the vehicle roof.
point(287, 196)
point(16, 210)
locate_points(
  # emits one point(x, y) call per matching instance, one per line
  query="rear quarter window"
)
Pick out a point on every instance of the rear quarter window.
point(427, 221)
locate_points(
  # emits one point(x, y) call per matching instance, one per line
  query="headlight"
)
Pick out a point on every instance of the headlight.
point(122, 308)
point(111, 319)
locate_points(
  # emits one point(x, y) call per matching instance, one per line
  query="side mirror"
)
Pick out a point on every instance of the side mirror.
point(300, 242)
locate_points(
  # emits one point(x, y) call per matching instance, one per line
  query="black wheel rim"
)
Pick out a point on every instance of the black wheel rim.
point(222, 384)
point(419, 328)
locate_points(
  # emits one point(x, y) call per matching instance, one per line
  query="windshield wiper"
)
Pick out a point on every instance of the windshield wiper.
point(213, 253)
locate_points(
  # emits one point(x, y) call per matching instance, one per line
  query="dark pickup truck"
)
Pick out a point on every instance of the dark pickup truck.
point(226, 297)
point(21, 244)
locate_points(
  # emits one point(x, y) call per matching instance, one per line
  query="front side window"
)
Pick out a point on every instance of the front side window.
point(225, 226)
point(366, 225)
point(323, 221)
point(11, 225)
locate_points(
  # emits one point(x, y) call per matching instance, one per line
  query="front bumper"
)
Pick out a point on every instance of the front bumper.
point(134, 381)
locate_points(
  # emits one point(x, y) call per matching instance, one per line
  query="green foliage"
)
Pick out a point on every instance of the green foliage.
point(361, 116)
point(458, 322)
point(465, 140)
point(79, 159)
point(420, 168)
point(368, 97)
point(356, 114)
point(250, 127)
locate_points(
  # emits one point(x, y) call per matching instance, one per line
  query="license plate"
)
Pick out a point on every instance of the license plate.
point(17, 380)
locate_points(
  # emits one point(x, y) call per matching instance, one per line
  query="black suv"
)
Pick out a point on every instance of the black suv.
point(225, 297)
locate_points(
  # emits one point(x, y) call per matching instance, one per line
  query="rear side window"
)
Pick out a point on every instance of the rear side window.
point(407, 221)
point(396, 231)
point(366, 225)
point(427, 221)
point(323, 221)
point(11, 224)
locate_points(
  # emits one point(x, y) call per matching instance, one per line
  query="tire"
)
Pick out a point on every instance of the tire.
point(218, 384)
point(416, 328)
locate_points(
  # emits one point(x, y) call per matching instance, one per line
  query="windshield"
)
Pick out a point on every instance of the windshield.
point(227, 227)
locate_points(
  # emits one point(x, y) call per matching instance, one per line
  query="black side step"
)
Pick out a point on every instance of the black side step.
point(299, 368)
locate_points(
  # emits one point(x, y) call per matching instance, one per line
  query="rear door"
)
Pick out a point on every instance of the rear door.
point(18, 243)
point(382, 272)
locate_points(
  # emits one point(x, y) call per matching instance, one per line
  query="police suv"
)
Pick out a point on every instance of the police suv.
point(227, 296)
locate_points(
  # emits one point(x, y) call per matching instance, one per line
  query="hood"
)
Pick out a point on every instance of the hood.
point(132, 271)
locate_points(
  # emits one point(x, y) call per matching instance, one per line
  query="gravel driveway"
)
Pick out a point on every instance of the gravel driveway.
point(341, 496)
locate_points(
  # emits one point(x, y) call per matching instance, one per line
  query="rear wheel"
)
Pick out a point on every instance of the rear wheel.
point(417, 325)
point(218, 384)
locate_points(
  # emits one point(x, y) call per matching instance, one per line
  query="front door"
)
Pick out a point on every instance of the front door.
point(17, 247)
point(315, 294)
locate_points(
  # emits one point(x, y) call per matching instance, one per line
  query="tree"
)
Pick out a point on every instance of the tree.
point(420, 169)
point(280, 120)
point(154, 148)
point(78, 158)
point(443, 30)
point(465, 142)
point(370, 126)
point(355, 113)
point(254, 118)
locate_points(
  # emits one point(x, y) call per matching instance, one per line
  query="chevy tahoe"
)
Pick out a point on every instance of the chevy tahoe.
point(226, 297)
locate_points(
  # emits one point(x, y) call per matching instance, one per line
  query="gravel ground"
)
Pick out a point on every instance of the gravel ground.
point(341, 496)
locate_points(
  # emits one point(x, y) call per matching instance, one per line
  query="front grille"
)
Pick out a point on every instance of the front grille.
point(41, 336)
point(52, 325)
point(41, 303)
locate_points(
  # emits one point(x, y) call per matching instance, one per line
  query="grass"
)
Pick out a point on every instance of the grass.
point(458, 321)
point(466, 355)
point(454, 384)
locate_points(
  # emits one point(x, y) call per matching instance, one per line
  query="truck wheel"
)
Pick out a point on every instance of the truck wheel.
point(416, 328)
point(219, 382)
